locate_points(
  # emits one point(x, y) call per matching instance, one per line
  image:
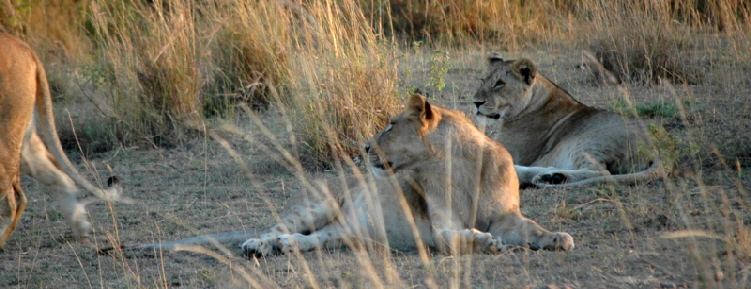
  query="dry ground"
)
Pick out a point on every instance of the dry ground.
point(197, 188)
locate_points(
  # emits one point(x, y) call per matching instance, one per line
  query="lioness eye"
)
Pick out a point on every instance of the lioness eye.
point(499, 84)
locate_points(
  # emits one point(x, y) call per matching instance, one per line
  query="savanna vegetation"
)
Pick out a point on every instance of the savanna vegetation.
point(215, 112)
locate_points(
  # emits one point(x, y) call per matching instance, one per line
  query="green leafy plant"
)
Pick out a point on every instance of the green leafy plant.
point(439, 67)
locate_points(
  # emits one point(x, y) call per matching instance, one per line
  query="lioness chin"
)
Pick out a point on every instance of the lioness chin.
point(444, 185)
point(556, 140)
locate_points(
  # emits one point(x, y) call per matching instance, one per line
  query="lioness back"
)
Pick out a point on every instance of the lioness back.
point(554, 138)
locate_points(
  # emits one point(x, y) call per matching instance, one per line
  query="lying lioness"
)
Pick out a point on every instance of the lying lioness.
point(556, 140)
point(459, 185)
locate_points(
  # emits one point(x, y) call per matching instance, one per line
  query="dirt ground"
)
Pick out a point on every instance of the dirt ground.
point(625, 236)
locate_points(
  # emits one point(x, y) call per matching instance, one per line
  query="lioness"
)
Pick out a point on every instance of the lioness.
point(438, 182)
point(23, 94)
point(456, 186)
point(553, 138)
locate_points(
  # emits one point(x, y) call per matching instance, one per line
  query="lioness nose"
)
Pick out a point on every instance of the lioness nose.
point(478, 103)
point(367, 148)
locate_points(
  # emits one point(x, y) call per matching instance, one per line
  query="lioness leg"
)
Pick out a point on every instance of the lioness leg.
point(577, 166)
point(555, 176)
point(515, 229)
point(449, 238)
point(449, 233)
point(469, 241)
point(37, 163)
point(301, 220)
point(12, 204)
point(330, 236)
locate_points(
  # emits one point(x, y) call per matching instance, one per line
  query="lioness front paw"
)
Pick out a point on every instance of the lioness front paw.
point(558, 241)
point(485, 243)
point(553, 178)
point(260, 247)
point(82, 230)
point(496, 246)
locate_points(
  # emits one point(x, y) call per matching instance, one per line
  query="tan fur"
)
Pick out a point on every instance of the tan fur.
point(554, 139)
point(24, 94)
point(443, 184)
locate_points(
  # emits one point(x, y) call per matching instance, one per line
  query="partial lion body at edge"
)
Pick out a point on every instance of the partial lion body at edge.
point(25, 103)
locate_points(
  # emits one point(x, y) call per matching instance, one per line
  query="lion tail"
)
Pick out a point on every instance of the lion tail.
point(218, 240)
point(48, 131)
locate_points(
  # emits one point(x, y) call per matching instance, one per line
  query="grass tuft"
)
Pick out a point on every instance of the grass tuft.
point(642, 41)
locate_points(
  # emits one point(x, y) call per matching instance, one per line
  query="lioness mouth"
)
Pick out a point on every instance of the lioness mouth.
point(493, 116)
point(382, 166)
point(378, 163)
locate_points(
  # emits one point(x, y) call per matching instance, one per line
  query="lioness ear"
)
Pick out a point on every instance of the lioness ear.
point(525, 69)
point(418, 106)
point(494, 58)
point(428, 113)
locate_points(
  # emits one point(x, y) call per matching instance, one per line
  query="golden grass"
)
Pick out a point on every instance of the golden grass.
point(169, 63)
point(653, 40)
point(507, 24)
point(173, 62)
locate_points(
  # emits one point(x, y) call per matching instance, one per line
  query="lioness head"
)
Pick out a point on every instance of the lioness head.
point(402, 144)
point(506, 88)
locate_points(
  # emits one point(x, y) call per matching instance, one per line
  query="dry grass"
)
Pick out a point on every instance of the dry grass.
point(147, 73)
point(651, 40)
point(195, 57)
point(508, 24)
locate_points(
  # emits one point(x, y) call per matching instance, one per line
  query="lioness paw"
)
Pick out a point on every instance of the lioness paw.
point(287, 243)
point(485, 242)
point(558, 241)
point(260, 247)
point(82, 229)
point(496, 246)
point(554, 178)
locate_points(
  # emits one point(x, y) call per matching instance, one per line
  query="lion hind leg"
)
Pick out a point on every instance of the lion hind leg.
point(517, 230)
point(12, 204)
point(39, 164)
